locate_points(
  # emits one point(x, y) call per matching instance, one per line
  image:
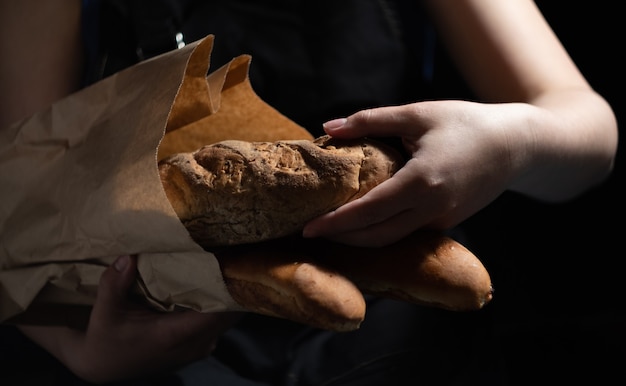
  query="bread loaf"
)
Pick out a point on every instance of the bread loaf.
point(275, 280)
point(236, 192)
point(247, 202)
point(321, 283)
point(426, 268)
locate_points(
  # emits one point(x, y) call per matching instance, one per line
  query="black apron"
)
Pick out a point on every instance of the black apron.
point(311, 60)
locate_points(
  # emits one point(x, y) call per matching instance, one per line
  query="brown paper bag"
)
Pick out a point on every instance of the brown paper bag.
point(79, 185)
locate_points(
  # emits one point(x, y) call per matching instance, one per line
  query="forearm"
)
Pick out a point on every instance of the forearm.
point(42, 39)
point(568, 146)
point(59, 341)
point(561, 136)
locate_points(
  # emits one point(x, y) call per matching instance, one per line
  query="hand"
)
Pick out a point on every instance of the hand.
point(461, 160)
point(124, 339)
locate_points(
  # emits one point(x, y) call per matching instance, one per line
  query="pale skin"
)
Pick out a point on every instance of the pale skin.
point(123, 340)
point(541, 131)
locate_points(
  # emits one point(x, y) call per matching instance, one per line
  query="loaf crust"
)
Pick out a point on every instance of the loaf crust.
point(426, 268)
point(321, 283)
point(284, 283)
point(247, 202)
point(236, 192)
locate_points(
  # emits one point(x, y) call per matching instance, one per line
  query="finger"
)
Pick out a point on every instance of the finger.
point(384, 201)
point(392, 121)
point(193, 334)
point(189, 323)
point(376, 206)
point(380, 234)
point(115, 283)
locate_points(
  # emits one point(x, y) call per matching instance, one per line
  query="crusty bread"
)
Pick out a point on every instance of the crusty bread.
point(320, 283)
point(235, 192)
point(426, 268)
point(284, 283)
point(248, 201)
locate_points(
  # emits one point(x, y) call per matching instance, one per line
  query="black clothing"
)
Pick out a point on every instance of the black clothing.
point(319, 60)
point(311, 60)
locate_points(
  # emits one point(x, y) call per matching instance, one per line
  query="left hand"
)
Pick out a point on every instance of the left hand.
point(461, 160)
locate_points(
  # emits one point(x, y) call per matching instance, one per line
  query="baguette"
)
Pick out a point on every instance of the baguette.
point(277, 280)
point(426, 268)
point(238, 192)
point(247, 201)
point(321, 283)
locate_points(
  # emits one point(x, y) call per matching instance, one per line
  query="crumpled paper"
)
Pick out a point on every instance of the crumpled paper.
point(79, 185)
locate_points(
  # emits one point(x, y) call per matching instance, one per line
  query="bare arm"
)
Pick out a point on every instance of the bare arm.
point(538, 128)
point(42, 38)
point(508, 53)
point(43, 41)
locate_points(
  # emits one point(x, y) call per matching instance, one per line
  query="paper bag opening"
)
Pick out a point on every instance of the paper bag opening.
point(80, 184)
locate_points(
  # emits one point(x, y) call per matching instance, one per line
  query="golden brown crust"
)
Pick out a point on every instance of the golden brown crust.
point(282, 283)
point(246, 202)
point(236, 192)
point(320, 283)
point(426, 268)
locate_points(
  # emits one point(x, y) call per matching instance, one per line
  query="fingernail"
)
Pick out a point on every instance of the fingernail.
point(121, 263)
point(308, 232)
point(335, 123)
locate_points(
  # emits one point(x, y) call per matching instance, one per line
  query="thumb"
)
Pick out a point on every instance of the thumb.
point(116, 281)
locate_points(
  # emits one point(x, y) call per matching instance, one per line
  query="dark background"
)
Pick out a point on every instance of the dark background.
point(559, 311)
point(570, 254)
point(557, 269)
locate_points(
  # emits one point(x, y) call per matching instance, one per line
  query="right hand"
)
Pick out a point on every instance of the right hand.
point(125, 340)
